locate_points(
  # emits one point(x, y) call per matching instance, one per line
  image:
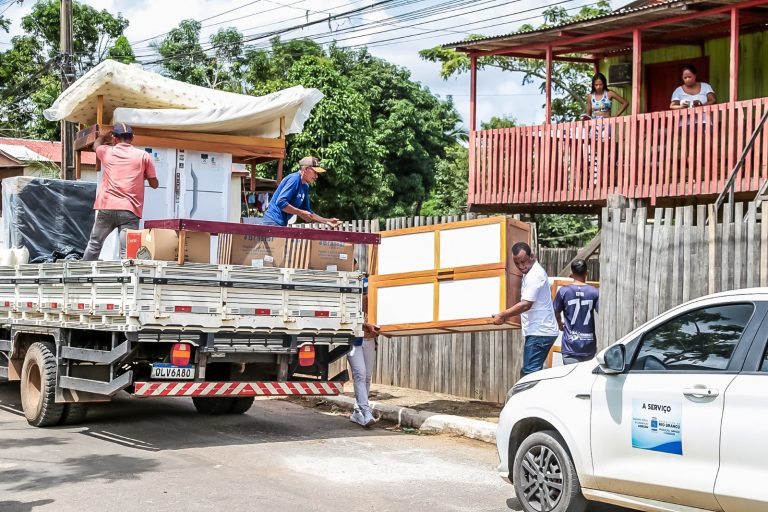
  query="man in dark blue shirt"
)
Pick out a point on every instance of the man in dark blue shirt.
point(292, 197)
point(575, 308)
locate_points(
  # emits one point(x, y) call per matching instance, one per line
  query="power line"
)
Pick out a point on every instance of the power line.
point(409, 15)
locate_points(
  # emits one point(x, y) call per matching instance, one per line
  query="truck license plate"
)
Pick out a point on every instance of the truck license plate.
point(168, 371)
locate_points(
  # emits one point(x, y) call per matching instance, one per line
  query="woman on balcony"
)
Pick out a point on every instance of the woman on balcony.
point(692, 93)
point(600, 98)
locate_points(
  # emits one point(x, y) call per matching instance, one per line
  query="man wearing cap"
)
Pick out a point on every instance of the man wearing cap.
point(120, 198)
point(292, 197)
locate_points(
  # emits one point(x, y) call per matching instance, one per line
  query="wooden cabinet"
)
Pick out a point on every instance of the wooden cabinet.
point(445, 278)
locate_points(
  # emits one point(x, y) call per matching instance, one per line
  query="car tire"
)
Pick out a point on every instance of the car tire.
point(38, 386)
point(544, 476)
point(211, 405)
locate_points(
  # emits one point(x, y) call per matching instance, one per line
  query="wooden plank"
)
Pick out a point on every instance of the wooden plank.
point(654, 287)
point(641, 270)
point(701, 280)
point(182, 244)
point(712, 249)
point(738, 246)
point(687, 253)
point(752, 270)
point(763, 246)
point(666, 261)
point(100, 109)
point(677, 260)
point(726, 281)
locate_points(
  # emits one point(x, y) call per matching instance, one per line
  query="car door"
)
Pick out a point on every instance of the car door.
point(656, 427)
point(740, 485)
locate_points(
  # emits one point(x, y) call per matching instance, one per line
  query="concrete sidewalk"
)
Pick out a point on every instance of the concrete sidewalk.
point(428, 412)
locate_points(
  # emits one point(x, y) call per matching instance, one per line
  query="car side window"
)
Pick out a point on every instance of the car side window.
point(701, 340)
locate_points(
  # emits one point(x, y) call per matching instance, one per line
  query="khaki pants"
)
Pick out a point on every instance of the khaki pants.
point(106, 222)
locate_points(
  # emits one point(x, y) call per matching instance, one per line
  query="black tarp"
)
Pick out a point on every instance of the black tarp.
point(46, 215)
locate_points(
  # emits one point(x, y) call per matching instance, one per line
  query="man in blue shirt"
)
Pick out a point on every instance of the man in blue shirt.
point(575, 308)
point(292, 197)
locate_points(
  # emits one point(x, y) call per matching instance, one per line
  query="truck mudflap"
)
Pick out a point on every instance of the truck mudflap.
point(261, 388)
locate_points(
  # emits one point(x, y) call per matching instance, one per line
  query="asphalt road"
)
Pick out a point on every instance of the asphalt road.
point(160, 455)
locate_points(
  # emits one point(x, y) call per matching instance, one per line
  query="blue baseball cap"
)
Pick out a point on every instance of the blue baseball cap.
point(122, 129)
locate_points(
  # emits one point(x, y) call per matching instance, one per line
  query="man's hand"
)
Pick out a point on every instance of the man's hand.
point(333, 222)
point(499, 319)
point(371, 330)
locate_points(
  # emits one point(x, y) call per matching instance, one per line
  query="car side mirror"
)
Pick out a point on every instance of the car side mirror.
point(613, 359)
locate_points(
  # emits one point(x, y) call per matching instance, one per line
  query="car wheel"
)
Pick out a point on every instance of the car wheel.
point(544, 476)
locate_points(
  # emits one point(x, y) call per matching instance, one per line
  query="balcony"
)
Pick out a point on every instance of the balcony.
point(665, 158)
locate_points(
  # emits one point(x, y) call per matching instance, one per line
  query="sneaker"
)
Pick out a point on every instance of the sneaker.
point(368, 417)
point(358, 417)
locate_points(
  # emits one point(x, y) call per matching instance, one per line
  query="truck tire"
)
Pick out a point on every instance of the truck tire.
point(241, 404)
point(214, 406)
point(38, 386)
point(73, 414)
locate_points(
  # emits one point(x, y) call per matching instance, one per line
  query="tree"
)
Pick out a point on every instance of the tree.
point(379, 134)
point(570, 82)
point(29, 70)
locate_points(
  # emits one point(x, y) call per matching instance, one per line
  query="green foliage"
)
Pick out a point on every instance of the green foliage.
point(28, 85)
point(449, 196)
point(570, 81)
point(498, 122)
point(565, 230)
point(122, 51)
point(379, 134)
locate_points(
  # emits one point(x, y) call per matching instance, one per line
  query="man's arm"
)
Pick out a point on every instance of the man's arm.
point(558, 307)
point(516, 310)
point(102, 139)
point(149, 171)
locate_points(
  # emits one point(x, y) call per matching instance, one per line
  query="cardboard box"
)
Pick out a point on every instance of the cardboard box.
point(163, 245)
point(258, 251)
point(326, 255)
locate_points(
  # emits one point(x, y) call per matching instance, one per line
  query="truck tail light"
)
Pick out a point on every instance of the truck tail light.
point(180, 354)
point(307, 355)
point(322, 314)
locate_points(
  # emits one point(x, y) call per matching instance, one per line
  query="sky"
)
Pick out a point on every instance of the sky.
point(392, 33)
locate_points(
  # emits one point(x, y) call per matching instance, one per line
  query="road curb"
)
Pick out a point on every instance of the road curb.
point(424, 421)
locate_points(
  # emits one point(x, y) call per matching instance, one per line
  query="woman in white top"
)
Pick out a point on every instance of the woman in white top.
point(692, 93)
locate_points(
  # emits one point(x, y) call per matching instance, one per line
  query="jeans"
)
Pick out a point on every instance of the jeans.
point(268, 222)
point(535, 353)
point(106, 222)
point(361, 360)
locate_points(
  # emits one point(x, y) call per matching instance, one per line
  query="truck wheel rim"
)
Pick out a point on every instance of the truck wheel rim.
point(542, 479)
point(34, 387)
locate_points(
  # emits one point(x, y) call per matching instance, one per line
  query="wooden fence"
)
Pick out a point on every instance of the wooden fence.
point(651, 265)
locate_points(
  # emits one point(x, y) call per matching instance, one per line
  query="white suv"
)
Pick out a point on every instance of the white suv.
point(673, 417)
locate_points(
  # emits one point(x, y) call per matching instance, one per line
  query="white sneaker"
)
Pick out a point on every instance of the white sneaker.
point(358, 417)
point(368, 417)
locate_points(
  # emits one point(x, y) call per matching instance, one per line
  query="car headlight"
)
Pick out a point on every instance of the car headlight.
point(517, 388)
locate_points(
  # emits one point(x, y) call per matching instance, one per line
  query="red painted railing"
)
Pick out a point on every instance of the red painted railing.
point(661, 155)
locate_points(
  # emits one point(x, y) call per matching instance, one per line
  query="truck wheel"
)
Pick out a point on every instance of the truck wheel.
point(208, 405)
point(241, 404)
point(73, 414)
point(38, 386)
point(544, 476)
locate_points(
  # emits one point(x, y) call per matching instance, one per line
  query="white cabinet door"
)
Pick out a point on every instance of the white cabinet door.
point(741, 481)
point(159, 202)
point(656, 428)
point(206, 181)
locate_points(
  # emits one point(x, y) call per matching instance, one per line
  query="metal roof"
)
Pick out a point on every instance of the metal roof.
point(588, 30)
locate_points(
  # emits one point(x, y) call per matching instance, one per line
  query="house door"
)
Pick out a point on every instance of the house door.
point(663, 78)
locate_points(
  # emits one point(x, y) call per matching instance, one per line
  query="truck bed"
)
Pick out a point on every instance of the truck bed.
point(136, 295)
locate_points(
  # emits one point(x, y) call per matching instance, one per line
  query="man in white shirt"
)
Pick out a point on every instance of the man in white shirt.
point(535, 308)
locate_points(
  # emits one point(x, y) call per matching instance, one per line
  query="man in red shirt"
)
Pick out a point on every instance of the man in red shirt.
point(120, 198)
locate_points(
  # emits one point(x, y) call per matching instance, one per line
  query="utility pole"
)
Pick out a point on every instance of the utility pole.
point(67, 77)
